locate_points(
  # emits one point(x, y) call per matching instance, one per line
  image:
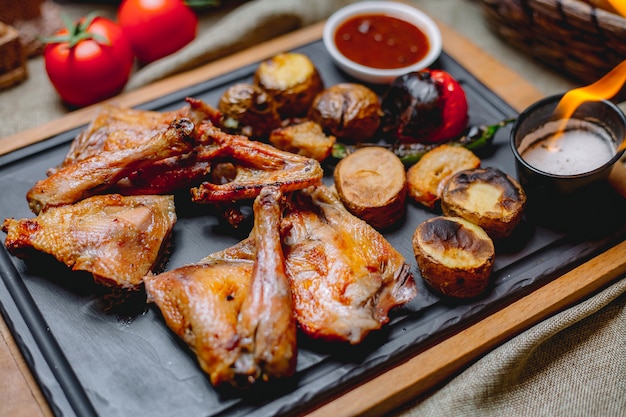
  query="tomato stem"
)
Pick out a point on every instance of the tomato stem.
point(77, 32)
point(199, 4)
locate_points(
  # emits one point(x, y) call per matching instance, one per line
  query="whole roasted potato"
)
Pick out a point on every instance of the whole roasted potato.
point(249, 110)
point(292, 80)
point(349, 111)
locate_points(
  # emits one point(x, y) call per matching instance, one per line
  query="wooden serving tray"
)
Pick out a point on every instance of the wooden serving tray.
point(405, 377)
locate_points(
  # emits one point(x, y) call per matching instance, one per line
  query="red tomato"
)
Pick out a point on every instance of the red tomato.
point(157, 28)
point(92, 64)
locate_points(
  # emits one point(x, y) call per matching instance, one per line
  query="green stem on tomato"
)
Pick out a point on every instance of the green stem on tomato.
point(200, 4)
point(475, 137)
point(77, 31)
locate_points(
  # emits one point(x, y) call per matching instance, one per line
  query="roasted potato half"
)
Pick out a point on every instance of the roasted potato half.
point(292, 80)
point(454, 256)
point(248, 110)
point(371, 183)
point(487, 197)
point(426, 178)
point(349, 111)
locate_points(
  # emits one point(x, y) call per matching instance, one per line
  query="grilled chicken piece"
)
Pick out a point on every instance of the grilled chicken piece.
point(96, 174)
point(255, 165)
point(345, 276)
point(234, 308)
point(116, 128)
point(117, 239)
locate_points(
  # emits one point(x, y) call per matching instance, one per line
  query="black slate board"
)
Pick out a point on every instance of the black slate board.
point(90, 360)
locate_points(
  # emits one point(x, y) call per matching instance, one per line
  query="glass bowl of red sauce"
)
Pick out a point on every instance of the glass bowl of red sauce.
point(377, 41)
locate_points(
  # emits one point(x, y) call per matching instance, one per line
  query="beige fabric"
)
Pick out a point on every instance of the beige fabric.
point(573, 364)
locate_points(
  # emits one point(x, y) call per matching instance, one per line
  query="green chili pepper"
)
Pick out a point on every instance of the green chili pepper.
point(475, 137)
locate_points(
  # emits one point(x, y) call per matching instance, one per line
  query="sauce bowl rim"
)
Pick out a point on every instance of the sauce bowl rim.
point(398, 10)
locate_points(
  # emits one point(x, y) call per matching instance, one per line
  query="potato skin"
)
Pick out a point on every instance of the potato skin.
point(487, 197)
point(455, 257)
point(248, 110)
point(371, 183)
point(349, 111)
point(292, 80)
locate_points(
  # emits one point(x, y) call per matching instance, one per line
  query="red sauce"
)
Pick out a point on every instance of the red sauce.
point(381, 41)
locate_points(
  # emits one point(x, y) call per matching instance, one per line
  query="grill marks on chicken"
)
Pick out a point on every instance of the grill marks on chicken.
point(345, 276)
point(234, 308)
point(117, 239)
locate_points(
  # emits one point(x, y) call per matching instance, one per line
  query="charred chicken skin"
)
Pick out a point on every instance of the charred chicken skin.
point(307, 260)
point(234, 308)
point(117, 239)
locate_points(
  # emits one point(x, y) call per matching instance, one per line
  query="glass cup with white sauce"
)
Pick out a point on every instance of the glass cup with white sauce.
point(563, 165)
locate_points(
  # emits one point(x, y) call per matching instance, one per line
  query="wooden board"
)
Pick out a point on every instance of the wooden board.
point(424, 371)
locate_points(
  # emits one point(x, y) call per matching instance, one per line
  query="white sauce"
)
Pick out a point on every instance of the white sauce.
point(580, 148)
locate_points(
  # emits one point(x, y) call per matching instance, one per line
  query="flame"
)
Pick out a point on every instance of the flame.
point(603, 89)
point(618, 5)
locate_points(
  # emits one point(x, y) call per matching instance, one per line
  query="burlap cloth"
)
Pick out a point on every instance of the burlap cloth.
point(572, 364)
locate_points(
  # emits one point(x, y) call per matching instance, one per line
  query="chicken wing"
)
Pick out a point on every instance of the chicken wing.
point(234, 308)
point(255, 165)
point(116, 128)
point(96, 174)
point(345, 276)
point(117, 239)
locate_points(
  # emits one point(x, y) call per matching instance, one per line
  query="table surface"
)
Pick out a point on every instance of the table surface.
point(21, 396)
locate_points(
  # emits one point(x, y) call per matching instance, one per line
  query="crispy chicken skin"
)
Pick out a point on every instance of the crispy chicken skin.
point(234, 308)
point(179, 157)
point(117, 239)
point(116, 128)
point(97, 173)
point(345, 276)
point(267, 325)
point(256, 164)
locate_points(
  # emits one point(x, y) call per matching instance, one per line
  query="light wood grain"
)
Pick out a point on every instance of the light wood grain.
point(422, 372)
point(19, 393)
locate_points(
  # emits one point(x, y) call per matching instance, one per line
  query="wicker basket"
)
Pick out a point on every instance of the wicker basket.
point(571, 36)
